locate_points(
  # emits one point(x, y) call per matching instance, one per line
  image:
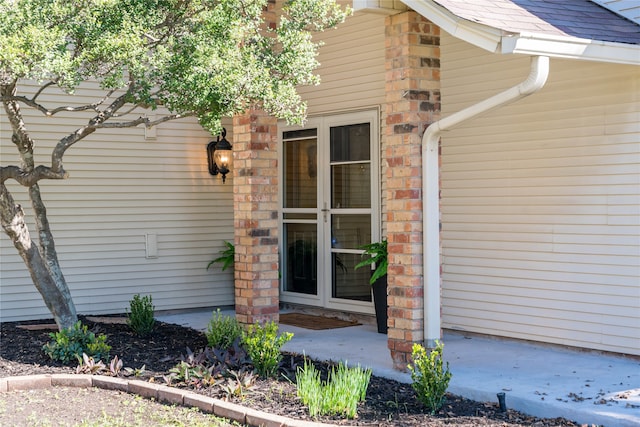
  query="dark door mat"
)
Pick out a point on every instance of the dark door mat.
point(316, 323)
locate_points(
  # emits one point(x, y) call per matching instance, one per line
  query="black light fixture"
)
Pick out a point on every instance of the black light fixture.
point(220, 156)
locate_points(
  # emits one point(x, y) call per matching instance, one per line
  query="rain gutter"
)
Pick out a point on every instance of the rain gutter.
point(430, 183)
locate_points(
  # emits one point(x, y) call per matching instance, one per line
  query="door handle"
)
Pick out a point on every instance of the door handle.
point(325, 211)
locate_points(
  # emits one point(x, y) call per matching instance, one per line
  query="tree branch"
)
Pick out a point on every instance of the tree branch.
point(26, 178)
point(42, 88)
point(50, 112)
point(143, 120)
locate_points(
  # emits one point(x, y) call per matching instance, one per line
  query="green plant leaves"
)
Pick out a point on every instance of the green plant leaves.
point(263, 345)
point(339, 395)
point(378, 256)
point(141, 317)
point(223, 331)
point(227, 256)
point(430, 378)
point(69, 344)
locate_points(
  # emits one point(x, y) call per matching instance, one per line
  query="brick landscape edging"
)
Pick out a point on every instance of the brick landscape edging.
point(160, 393)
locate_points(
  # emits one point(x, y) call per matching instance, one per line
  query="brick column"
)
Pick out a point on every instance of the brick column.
point(412, 103)
point(255, 207)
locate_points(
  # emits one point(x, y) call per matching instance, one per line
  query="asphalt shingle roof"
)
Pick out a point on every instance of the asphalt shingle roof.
point(576, 18)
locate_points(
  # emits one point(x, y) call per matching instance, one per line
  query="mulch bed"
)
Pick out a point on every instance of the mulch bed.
point(388, 402)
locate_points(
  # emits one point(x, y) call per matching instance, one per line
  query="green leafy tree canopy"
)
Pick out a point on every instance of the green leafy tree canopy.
point(194, 58)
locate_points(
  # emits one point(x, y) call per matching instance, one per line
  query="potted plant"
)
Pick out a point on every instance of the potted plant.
point(377, 256)
point(227, 256)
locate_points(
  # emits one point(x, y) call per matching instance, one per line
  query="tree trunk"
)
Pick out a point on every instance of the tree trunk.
point(41, 259)
point(46, 276)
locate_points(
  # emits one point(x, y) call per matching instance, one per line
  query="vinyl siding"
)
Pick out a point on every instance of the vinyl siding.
point(351, 66)
point(121, 188)
point(541, 203)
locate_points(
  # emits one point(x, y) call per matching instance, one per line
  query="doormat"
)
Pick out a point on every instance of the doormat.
point(316, 323)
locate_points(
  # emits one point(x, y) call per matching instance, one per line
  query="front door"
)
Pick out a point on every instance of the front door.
point(329, 203)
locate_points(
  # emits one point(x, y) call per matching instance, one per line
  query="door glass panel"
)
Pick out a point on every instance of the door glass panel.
point(301, 258)
point(350, 143)
point(350, 186)
point(349, 283)
point(350, 189)
point(300, 173)
point(350, 231)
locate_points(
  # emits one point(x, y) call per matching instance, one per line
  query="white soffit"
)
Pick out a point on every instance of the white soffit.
point(500, 41)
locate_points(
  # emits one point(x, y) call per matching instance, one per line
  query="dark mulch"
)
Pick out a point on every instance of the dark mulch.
point(388, 403)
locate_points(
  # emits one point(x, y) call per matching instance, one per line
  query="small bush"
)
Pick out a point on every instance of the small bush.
point(223, 331)
point(430, 379)
point(339, 395)
point(69, 344)
point(141, 318)
point(263, 345)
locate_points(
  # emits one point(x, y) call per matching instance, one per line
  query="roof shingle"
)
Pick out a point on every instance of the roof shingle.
point(575, 18)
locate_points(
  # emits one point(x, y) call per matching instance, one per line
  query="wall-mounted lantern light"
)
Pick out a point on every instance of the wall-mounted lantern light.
point(220, 156)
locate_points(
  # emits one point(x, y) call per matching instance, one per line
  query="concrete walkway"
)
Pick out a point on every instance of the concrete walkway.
point(546, 382)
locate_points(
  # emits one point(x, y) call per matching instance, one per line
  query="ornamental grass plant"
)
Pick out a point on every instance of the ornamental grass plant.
point(339, 395)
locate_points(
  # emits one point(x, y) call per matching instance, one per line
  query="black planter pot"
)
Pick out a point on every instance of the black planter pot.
point(380, 303)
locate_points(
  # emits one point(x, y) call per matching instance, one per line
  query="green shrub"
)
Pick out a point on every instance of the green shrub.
point(69, 344)
point(223, 331)
point(263, 345)
point(141, 318)
point(339, 395)
point(430, 379)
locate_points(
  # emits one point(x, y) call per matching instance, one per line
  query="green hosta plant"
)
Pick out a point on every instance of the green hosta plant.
point(69, 344)
point(141, 317)
point(263, 345)
point(223, 331)
point(430, 377)
point(339, 395)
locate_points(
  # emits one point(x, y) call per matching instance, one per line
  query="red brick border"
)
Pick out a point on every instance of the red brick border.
point(162, 393)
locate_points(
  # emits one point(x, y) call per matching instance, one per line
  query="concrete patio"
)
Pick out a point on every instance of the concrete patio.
point(539, 380)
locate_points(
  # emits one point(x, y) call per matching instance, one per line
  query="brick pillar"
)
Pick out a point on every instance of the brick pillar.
point(255, 210)
point(412, 103)
point(255, 207)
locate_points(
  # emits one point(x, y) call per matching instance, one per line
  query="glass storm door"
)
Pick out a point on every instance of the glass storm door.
point(329, 210)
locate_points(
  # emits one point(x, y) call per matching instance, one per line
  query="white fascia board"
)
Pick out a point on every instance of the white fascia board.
point(480, 35)
point(572, 48)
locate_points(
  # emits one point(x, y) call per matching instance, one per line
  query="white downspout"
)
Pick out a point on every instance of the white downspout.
point(430, 175)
